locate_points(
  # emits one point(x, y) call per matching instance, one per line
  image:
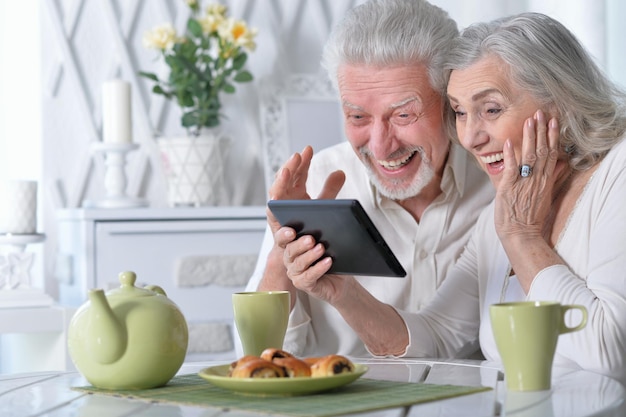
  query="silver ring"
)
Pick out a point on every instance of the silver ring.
point(525, 170)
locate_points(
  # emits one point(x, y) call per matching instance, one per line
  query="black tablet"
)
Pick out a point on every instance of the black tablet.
point(347, 232)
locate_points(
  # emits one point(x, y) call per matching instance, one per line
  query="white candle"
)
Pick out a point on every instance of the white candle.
point(116, 112)
point(18, 207)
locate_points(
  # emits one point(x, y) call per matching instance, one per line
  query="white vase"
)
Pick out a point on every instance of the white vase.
point(194, 168)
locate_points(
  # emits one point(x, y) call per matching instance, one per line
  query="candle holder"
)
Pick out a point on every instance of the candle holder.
point(115, 176)
point(15, 280)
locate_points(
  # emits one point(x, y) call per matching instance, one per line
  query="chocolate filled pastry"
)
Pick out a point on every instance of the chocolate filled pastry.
point(332, 365)
point(240, 362)
point(270, 353)
point(294, 367)
point(259, 368)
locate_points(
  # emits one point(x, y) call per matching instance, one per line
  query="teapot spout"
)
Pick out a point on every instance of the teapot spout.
point(106, 339)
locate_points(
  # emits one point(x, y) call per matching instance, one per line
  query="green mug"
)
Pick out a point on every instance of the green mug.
point(526, 334)
point(261, 319)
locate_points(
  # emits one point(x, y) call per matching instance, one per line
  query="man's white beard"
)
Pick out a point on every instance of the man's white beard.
point(396, 191)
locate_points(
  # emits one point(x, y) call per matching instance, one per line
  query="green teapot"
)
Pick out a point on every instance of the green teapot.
point(128, 338)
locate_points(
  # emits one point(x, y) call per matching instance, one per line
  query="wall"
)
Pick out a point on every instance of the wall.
point(88, 42)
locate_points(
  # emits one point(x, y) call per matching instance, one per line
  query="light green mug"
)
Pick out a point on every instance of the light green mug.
point(526, 335)
point(261, 319)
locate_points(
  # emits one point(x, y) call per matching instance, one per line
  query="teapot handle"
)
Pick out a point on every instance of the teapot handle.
point(156, 289)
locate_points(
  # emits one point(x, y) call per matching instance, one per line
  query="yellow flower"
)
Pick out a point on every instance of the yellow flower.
point(192, 3)
point(216, 9)
point(161, 37)
point(237, 33)
point(210, 22)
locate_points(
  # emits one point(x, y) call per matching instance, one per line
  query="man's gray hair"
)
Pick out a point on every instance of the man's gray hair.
point(385, 33)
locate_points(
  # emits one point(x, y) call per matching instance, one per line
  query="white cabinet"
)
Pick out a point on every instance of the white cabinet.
point(199, 256)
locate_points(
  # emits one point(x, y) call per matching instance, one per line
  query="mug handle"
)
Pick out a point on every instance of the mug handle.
point(583, 322)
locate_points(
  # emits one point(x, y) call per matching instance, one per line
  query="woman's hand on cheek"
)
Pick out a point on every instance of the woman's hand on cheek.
point(523, 203)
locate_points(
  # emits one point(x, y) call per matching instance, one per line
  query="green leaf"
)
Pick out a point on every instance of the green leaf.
point(239, 61)
point(188, 50)
point(228, 88)
point(172, 61)
point(149, 75)
point(194, 27)
point(158, 90)
point(185, 99)
point(205, 43)
point(243, 76)
point(177, 47)
point(212, 122)
point(208, 73)
point(189, 119)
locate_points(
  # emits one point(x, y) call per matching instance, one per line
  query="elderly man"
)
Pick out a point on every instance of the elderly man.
point(422, 191)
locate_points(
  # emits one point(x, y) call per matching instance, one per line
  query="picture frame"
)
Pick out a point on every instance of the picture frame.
point(302, 110)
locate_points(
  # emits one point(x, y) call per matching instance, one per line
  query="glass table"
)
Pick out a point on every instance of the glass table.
point(573, 393)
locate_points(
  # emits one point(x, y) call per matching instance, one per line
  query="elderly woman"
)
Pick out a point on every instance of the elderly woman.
point(547, 127)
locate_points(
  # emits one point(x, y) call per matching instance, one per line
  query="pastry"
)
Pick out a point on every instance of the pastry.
point(332, 365)
point(311, 360)
point(240, 362)
point(294, 367)
point(271, 353)
point(259, 368)
point(277, 363)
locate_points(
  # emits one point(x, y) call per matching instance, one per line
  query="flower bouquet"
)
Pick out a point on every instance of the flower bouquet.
point(203, 62)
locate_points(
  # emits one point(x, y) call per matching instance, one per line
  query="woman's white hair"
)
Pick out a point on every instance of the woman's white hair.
point(545, 59)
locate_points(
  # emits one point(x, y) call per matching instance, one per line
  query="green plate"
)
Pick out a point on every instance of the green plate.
point(218, 376)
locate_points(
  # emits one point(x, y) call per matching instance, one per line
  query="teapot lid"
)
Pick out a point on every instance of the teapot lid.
point(128, 289)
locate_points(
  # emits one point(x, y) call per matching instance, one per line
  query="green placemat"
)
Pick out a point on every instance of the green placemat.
point(359, 396)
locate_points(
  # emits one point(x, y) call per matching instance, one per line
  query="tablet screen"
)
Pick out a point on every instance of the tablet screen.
point(347, 232)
